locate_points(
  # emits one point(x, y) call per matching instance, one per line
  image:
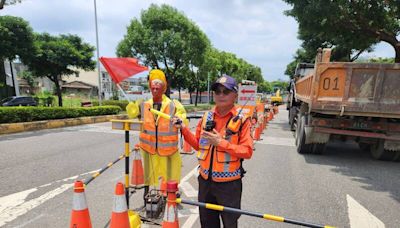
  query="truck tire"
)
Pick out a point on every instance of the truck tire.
point(378, 152)
point(298, 126)
point(292, 118)
point(302, 147)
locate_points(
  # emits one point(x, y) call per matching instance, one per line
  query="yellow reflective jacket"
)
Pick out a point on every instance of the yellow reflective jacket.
point(158, 134)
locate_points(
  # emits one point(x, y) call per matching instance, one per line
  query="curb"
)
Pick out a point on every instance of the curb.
point(49, 124)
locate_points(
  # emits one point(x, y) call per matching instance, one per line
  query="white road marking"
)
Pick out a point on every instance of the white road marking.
point(192, 218)
point(189, 191)
point(360, 216)
point(14, 205)
point(280, 141)
point(102, 129)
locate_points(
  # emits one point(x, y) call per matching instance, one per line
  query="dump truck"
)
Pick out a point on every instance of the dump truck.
point(346, 101)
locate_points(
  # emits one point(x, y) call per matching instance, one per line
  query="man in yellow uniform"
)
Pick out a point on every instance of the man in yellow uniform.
point(158, 139)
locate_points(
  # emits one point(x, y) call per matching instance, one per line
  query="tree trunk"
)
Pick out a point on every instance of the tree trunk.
point(190, 97)
point(197, 94)
point(200, 96)
point(179, 90)
point(58, 90)
point(397, 58)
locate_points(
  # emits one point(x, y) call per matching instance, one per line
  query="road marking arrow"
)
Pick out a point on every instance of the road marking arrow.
point(359, 216)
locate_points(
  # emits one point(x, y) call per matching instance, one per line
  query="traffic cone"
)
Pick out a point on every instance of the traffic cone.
point(119, 215)
point(171, 212)
point(187, 148)
point(80, 217)
point(137, 177)
point(257, 133)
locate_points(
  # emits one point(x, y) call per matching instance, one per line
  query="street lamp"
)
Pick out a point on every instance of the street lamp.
point(98, 55)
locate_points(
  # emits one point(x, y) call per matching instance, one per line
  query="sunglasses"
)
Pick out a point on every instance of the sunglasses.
point(224, 91)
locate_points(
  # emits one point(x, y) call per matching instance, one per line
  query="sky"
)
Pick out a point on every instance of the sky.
point(254, 30)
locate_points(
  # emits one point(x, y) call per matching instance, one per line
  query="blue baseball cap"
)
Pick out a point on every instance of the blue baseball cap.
point(226, 81)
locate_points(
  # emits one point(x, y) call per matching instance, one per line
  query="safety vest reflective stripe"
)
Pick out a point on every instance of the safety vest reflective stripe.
point(159, 133)
point(159, 143)
point(235, 173)
point(204, 146)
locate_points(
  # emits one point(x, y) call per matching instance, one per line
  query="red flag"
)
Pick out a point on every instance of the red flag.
point(122, 68)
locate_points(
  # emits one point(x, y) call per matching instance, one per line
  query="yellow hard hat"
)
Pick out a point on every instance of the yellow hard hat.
point(157, 74)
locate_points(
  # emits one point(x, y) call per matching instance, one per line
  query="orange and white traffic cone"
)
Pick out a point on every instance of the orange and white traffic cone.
point(257, 133)
point(119, 215)
point(171, 212)
point(187, 148)
point(80, 217)
point(137, 176)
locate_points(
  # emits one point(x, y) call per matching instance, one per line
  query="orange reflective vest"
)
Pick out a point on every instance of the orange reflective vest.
point(225, 167)
point(158, 134)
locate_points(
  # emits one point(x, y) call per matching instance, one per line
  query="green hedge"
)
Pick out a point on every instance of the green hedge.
point(199, 107)
point(121, 104)
point(27, 114)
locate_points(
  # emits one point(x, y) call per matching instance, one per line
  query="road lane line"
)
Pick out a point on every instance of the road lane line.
point(359, 216)
point(14, 205)
point(11, 213)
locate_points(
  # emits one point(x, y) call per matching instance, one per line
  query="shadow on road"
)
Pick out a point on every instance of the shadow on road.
point(347, 159)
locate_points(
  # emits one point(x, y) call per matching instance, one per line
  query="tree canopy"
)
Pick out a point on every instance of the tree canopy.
point(57, 56)
point(16, 38)
point(349, 27)
point(164, 38)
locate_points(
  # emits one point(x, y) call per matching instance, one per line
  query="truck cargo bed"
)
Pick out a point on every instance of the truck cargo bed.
point(353, 89)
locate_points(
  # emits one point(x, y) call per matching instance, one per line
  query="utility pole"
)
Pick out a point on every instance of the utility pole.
point(98, 55)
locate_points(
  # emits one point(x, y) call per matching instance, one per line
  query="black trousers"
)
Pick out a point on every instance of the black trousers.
point(228, 194)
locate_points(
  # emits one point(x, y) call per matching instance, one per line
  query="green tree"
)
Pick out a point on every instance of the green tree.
point(264, 87)
point(58, 56)
point(351, 27)
point(164, 38)
point(301, 56)
point(16, 42)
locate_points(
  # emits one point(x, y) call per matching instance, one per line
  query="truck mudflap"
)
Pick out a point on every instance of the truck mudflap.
point(313, 136)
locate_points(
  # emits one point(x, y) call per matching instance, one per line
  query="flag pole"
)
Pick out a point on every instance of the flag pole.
point(123, 92)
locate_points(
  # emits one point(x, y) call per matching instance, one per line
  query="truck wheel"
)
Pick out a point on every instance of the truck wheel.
point(318, 148)
point(302, 147)
point(379, 152)
point(298, 126)
point(292, 118)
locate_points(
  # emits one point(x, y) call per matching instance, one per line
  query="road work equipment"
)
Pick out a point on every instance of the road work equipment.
point(346, 101)
point(80, 217)
point(119, 215)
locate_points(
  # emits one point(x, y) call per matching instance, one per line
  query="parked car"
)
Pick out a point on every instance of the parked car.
point(18, 101)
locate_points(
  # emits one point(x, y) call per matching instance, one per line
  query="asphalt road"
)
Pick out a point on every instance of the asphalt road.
point(343, 188)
